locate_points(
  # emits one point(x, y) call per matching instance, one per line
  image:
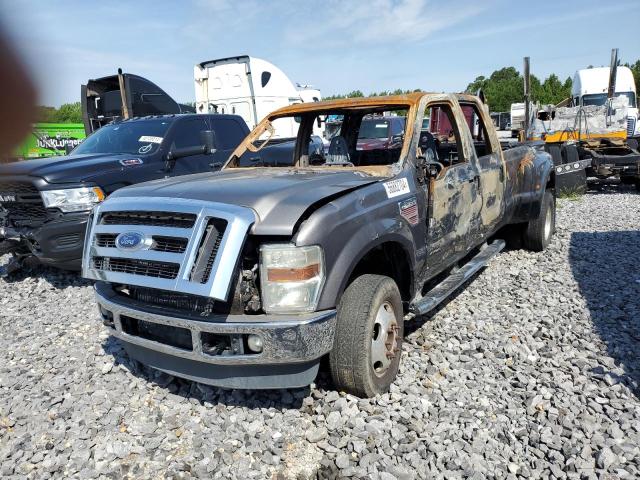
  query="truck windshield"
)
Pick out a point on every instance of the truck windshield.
point(140, 137)
point(326, 138)
point(600, 99)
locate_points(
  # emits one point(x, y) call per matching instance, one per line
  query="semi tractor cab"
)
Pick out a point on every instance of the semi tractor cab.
point(124, 96)
point(249, 87)
point(590, 88)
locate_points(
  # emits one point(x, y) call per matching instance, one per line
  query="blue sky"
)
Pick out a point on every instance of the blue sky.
point(335, 45)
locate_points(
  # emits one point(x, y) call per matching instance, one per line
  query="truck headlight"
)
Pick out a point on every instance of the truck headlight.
point(291, 277)
point(73, 199)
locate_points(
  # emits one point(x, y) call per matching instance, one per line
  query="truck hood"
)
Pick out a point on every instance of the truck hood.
point(68, 169)
point(279, 196)
point(372, 143)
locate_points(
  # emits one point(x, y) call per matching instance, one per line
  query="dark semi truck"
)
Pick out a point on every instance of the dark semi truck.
point(273, 268)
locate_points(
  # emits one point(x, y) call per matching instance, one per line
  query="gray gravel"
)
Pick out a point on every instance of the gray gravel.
point(532, 371)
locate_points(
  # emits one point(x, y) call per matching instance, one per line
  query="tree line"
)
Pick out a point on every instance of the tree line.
point(506, 86)
point(66, 113)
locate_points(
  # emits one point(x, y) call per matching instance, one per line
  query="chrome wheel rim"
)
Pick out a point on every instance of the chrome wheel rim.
point(384, 339)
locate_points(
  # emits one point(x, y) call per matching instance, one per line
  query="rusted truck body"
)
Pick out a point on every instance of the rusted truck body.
point(281, 266)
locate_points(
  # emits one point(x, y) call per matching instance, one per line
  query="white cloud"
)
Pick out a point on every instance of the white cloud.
point(380, 21)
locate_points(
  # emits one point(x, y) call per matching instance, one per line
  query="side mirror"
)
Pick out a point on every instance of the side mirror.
point(67, 148)
point(397, 138)
point(209, 140)
point(187, 152)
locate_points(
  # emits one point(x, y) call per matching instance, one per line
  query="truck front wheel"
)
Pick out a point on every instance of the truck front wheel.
point(367, 347)
point(538, 232)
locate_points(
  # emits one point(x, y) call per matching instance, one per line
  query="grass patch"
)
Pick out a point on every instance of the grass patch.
point(572, 195)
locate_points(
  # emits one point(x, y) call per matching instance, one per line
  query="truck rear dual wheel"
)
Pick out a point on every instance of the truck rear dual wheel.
point(367, 347)
point(570, 154)
point(556, 154)
point(538, 232)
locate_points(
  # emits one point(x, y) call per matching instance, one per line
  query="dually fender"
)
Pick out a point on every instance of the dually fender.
point(347, 231)
point(538, 174)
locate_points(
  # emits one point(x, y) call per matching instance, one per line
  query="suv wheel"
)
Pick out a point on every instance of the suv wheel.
point(367, 348)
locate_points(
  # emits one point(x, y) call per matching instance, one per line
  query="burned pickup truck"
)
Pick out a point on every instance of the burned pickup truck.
point(273, 268)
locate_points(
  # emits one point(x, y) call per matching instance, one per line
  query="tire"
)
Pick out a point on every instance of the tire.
point(556, 154)
point(570, 154)
point(538, 232)
point(369, 306)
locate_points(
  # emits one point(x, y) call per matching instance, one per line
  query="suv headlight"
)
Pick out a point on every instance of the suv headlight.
point(73, 199)
point(291, 277)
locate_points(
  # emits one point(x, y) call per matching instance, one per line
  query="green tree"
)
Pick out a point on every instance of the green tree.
point(506, 86)
point(635, 69)
point(46, 114)
point(69, 113)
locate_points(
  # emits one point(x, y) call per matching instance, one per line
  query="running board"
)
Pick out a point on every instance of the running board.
point(440, 292)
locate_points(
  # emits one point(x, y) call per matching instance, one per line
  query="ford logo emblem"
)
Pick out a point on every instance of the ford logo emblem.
point(131, 241)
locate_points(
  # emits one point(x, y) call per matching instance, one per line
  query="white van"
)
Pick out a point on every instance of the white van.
point(249, 87)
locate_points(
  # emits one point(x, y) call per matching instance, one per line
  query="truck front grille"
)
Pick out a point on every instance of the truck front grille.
point(177, 301)
point(23, 203)
point(145, 268)
point(208, 250)
point(631, 126)
point(187, 246)
point(160, 243)
point(153, 219)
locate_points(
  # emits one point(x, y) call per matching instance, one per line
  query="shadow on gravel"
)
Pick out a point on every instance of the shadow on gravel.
point(57, 278)
point(282, 399)
point(605, 265)
point(608, 187)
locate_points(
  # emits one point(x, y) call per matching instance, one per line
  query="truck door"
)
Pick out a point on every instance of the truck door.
point(453, 196)
point(187, 133)
point(488, 160)
point(229, 133)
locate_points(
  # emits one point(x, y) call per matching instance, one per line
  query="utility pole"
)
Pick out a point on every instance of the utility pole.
point(527, 97)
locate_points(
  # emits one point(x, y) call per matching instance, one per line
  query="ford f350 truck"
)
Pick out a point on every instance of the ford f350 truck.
point(274, 268)
point(45, 203)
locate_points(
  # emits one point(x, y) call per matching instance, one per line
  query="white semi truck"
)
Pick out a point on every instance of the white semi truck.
point(590, 87)
point(249, 87)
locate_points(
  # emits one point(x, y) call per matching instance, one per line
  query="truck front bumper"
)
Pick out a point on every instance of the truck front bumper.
point(292, 345)
point(57, 243)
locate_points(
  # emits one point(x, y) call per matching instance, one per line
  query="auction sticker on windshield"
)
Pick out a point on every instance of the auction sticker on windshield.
point(150, 139)
point(397, 187)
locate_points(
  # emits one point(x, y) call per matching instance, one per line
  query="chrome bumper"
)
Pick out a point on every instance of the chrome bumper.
point(286, 339)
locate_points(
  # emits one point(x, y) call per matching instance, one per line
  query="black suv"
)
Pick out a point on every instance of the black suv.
point(44, 204)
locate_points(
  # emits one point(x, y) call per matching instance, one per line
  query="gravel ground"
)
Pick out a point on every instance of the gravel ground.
point(532, 371)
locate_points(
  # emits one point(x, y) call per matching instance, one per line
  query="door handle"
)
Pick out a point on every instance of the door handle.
point(475, 179)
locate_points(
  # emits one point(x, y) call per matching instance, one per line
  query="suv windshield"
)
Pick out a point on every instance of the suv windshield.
point(140, 137)
point(374, 129)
